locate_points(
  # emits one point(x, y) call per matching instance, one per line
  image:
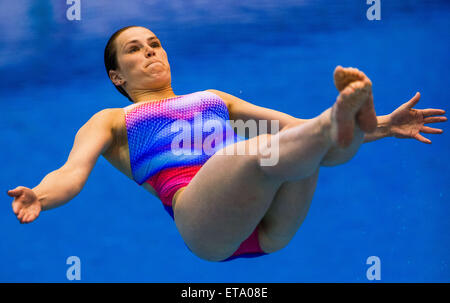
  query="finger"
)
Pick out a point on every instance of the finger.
point(32, 218)
point(432, 112)
point(434, 119)
point(27, 218)
point(414, 100)
point(21, 214)
point(15, 192)
point(24, 219)
point(422, 139)
point(430, 130)
point(16, 207)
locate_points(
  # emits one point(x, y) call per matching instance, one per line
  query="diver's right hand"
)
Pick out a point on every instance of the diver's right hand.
point(26, 205)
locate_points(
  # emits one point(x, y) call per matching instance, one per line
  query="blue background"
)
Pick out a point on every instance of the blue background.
point(391, 200)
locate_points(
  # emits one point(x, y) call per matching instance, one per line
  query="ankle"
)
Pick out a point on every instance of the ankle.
point(326, 125)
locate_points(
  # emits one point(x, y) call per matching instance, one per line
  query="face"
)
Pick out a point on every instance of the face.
point(142, 62)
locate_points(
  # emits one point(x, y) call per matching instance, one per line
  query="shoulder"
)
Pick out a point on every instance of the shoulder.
point(227, 98)
point(107, 115)
point(111, 123)
point(108, 119)
point(218, 92)
point(234, 104)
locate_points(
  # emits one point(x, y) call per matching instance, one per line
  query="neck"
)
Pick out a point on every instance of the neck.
point(152, 95)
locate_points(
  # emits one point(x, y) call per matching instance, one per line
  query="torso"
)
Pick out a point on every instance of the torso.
point(118, 153)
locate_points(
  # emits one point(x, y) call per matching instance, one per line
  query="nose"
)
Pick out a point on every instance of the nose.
point(149, 52)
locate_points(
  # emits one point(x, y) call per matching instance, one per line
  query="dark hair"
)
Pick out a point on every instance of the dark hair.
point(110, 57)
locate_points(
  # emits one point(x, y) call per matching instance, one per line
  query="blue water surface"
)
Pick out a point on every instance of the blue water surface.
point(391, 200)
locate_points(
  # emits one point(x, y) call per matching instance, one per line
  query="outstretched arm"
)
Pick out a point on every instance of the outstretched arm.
point(408, 122)
point(63, 184)
point(404, 122)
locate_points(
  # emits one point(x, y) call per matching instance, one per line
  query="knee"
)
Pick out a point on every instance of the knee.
point(212, 255)
point(208, 251)
point(270, 244)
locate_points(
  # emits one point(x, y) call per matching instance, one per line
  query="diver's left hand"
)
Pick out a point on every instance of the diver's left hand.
point(407, 122)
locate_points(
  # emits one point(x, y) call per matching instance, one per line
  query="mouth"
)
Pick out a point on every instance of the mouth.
point(153, 62)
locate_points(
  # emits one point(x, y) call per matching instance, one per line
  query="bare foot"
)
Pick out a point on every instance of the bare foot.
point(366, 116)
point(345, 76)
point(354, 100)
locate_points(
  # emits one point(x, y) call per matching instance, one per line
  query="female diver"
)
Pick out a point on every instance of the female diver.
point(225, 205)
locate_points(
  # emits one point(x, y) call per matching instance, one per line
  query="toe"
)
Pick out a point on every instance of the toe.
point(345, 76)
point(353, 96)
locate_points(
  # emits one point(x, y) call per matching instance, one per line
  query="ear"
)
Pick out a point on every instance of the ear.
point(116, 78)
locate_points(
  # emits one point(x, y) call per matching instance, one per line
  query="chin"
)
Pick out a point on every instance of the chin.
point(157, 83)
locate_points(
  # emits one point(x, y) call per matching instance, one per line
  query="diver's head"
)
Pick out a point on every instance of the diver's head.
point(136, 61)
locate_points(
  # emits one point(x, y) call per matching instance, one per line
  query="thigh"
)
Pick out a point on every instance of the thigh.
point(223, 204)
point(287, 212)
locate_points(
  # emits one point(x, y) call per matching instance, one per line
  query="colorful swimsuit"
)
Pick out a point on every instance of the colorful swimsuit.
point(169, 142)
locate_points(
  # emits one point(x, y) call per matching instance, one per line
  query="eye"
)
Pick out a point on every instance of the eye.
point(133, 49)
point(155, 44)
